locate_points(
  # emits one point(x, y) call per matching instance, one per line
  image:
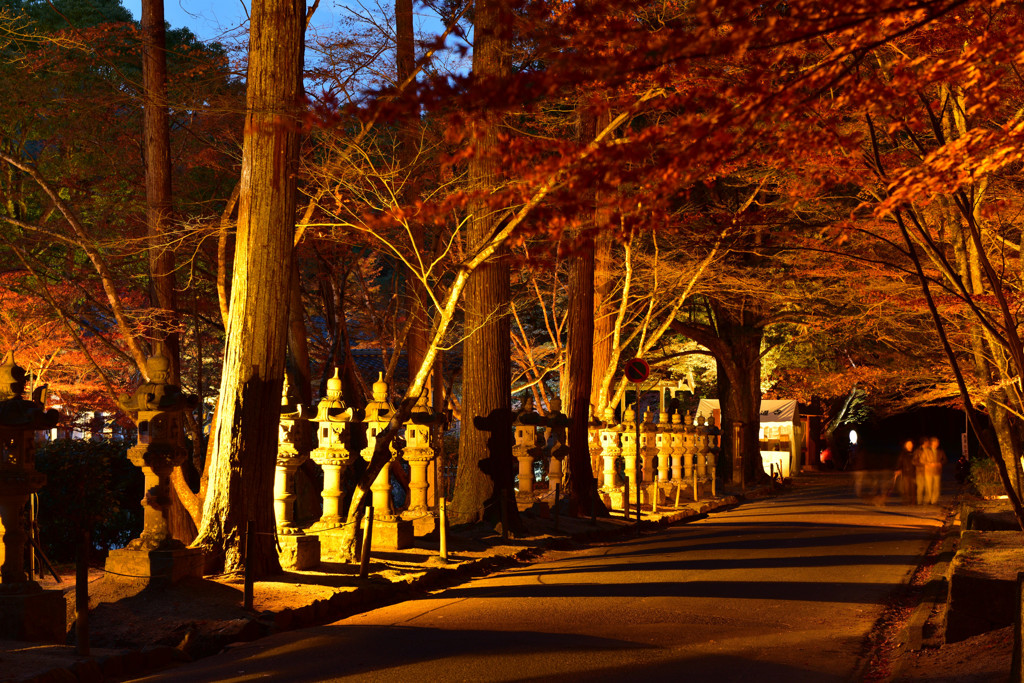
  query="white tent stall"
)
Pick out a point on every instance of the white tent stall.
point(779, 434)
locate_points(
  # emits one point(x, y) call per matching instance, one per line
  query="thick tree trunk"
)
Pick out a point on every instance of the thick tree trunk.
point(483, 483)
point(156, 129)
point(241, 475)
point(604, 317)
point(580, 363)
point(157, 137)
point(739, 387)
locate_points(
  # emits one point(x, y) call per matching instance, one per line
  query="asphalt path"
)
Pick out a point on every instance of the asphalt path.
point(783, 589)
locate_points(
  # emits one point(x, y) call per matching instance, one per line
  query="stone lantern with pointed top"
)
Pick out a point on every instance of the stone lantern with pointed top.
point(664, 443)
point(419, 454)
point(158, 409)
point(689, 446)
point(594, 445)
point(29, 612)
point(703, 447)
point(610, 451)
point(557, 441)
point(648, 450)
point(527, 448)
point(678, 451)
point(333, 422)
point(389, 531)
point(298, 550)
point(629, 449)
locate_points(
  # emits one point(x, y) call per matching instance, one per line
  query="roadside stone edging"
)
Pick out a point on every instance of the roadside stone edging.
point(195, 644)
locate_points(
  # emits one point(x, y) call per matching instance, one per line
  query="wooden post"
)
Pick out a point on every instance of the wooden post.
point(443, 529)
point(625, 498)
point(364, 556)
point(558, 493)
point(249, 549)
point(1017, 664)
point(81, 596)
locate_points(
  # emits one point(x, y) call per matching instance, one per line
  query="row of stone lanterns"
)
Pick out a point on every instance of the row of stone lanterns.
point(536, 436)
point(672, 452)
point(335, 424)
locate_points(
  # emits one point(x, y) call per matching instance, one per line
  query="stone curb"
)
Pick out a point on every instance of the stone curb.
point(375, 593)
point(910, 637)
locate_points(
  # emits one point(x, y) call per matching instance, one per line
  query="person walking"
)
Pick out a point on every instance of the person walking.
point(918, 461)
point(908, 473)
point(932, 459)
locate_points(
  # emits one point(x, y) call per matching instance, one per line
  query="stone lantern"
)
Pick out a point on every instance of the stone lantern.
point(648, 451)
point(629, 450)
point(333, 433)
point(158, 410)
point(29, 612)
point(610, 451)
point(527, 448)
point(689, 446)
point(594, 445)
point(678, 450)
point(298, 551)
point(557, 442)
point(389, 531)
point(663, 440)
point(419, 454)
point(703, 447)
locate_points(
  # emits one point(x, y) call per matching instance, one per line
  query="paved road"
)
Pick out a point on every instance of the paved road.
point(775, 590)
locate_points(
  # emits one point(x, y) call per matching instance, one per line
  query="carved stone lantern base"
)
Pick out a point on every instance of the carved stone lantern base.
point(161, 567)
point(27, 612)
point(299, 551)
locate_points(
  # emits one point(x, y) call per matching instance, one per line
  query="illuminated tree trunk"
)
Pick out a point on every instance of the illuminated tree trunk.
point(579, 364)
point(241, 475)
point(485, 470)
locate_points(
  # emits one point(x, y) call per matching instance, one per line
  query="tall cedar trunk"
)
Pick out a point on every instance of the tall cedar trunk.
point(739, 388)
point(485, 469)
point(580, 364)
point(157, 136)
point(156, 130)
point(419, 302)
point(241, 479)
point(604, 317)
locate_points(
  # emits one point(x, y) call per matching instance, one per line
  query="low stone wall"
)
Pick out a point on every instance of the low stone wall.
point(982, 583)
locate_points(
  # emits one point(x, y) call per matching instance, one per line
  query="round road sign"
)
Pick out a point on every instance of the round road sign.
point(637, 370)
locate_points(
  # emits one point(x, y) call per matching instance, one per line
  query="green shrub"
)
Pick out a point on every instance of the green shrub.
point(89, 484)
point(984, 478)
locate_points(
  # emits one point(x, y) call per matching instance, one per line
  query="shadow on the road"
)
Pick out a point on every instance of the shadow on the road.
point(790, 562)
point(748, 538)
point(382, 651)
point(813, 591)
point(718, 668)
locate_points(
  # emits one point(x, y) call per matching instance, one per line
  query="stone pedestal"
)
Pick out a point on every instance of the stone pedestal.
point(526, 449)
point(331, 546)
point(299, 551)
point(27, 612)
point(161, 567)
point(393, 534)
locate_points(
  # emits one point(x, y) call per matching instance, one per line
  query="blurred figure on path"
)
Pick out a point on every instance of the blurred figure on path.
point(928, 460)
point(908, 473)
point(933, 458)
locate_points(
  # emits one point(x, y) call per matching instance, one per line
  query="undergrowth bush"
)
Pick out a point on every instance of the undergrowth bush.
point(90, 484)
point(984, 478)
